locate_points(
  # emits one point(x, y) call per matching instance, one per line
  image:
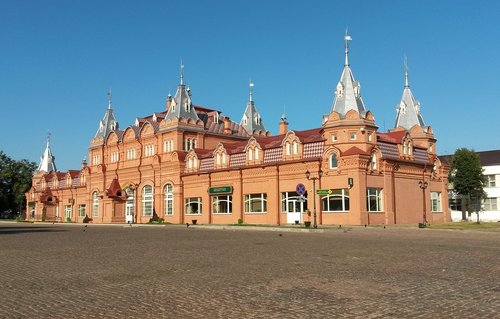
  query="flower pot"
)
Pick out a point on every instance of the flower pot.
point(307, 224)
point(296, 222)
point(194, 221)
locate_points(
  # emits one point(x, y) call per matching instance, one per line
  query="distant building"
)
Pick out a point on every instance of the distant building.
point(490, 208)
point(190, 162)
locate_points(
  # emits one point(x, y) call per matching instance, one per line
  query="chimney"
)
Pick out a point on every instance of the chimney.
point(283, 127)
point(227, 125)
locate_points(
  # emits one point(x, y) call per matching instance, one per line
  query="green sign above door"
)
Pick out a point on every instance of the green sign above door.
point(220, 190)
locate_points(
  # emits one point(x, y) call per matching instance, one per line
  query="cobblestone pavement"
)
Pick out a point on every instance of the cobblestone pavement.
point(72, 271)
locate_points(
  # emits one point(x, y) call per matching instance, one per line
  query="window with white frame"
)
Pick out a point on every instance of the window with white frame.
point(256, 153)
point(130, 203)
point(491, 181)
point(192, 206)
point(373, 161)
point(68, 211)
point(131, 153)
point(149, 150)
point(436, 202)
point(334, 137)
point(370, 138)
point(95, 204)
point(333, 161)
point(250, 154)
point(490, 204)
point(291, 202)
point(168, 146)
point(287, 146)
point(374, 199)
point(337, 201)
point(256, 203)
point(169, 199)
point(295, 148)
point(222, 204)
point(115, 157)
point(81, 210)
point(147, 200)
point(96, 160)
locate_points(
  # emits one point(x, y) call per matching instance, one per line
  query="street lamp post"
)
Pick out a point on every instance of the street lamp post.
point(423, 185)
point(308, 176)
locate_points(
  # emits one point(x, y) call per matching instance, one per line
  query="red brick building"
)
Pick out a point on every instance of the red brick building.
point(189, 162)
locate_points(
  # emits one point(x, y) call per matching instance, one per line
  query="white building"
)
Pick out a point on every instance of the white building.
point(490, 208)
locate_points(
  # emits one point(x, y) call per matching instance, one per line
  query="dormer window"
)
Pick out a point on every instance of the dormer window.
point(216, 117)
point(287, 146)
point(250, 155)
point(374, 161)
point(256, 153)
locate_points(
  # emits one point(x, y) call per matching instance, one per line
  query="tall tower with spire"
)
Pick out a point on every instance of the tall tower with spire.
point(47, 160)
point(408, 110)
point(348, 90)
point(108, 122)
point(251, 119)
point(180, 106)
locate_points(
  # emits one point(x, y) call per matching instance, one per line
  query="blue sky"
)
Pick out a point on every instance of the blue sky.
point(59, 58)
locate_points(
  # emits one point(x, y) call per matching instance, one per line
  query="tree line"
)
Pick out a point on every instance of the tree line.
point(15, 181)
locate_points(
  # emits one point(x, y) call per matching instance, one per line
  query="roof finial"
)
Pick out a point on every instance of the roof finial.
point(110, 98)
point(406, 72)
point(347, 38)
point(48, 138)
point(182, 73)
point(251, 90)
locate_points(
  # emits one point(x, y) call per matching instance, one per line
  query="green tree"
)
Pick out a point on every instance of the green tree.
point(468, 180)
point(15, 181)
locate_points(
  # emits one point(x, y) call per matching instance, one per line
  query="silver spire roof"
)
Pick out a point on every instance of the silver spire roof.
point(408, 110)
point(251, 119)
point(108, 122)
point(181, 106)
point(47, 160)
point(348, 90)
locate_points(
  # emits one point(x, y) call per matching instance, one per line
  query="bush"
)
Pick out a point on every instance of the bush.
point(240, 221)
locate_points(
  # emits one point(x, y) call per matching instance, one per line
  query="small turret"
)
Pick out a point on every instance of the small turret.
point(47, 160)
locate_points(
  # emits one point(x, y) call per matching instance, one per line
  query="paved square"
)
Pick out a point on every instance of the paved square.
point(69, 271)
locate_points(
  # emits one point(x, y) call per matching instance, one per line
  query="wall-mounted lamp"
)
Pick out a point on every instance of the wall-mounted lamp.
point(350, 182)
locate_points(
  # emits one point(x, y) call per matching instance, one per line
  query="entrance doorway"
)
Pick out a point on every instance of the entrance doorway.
point(293, 205)
point(130, 206)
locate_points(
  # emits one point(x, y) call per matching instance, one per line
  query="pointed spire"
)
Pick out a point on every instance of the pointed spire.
point(47, 160)
point(347, 38)
point(108, 122)
point(110, 99)
point(251, 119)
point(348, 90)
point(406, 73)
point(408, 110)
point(251, 90)
point(182, 73)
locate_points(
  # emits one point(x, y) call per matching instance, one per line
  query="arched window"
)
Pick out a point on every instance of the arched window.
point(374, 161)
point(250, 154)
point(333, 161)
point(295, 148)
point(169, 199)
point(287, 148)
point(147, 200)
point(95, 204)
point(256, 153)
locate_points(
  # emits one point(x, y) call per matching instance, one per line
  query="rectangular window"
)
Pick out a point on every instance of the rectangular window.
point(68, 210)
point(374, 199)
point(131, 153)
point(334, 137)
point(352, 136)
point(81, 210)
point(369, 136)
point(490, 204)
point(490, 181)
point(256, 203)
point(193, 206)
point(337, 201)
point(222, 204)
point(436, 202)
